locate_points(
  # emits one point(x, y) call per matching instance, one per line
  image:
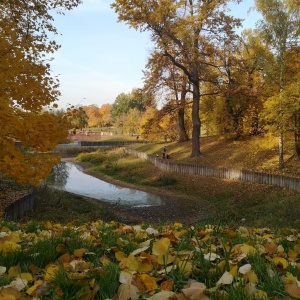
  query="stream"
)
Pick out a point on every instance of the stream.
point(69, 177)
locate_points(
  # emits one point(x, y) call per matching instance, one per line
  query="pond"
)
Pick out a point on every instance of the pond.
point(70, 177)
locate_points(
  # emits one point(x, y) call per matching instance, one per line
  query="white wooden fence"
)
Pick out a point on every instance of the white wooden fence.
point(264, 178)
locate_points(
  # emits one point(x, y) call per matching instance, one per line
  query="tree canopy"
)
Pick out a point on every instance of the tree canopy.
point(27, 87)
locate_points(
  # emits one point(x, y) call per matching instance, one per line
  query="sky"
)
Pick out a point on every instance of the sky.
point(100, 57)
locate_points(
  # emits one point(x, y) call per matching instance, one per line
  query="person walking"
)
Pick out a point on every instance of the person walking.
point(164, 152)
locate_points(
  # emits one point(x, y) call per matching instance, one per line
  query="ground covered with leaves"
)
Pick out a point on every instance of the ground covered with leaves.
point(99, 260)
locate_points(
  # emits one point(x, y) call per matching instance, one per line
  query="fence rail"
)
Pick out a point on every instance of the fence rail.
point(242, 175)
point(96, 144)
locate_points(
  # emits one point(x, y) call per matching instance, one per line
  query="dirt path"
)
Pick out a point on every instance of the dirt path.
point(186, 210)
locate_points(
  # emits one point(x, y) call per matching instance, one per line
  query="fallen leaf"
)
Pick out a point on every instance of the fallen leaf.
point(226, 278)
point(128, 292)
point(164, 295)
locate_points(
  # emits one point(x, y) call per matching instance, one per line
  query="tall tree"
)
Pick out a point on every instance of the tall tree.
point(186, 32)
point(26, 86)
point(280, 31)
point(161, 75)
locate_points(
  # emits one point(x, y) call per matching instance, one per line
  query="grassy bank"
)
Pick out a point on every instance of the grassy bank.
point(209, 199)
point(65, 251)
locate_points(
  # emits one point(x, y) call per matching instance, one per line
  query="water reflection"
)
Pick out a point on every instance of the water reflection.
point(69, 177)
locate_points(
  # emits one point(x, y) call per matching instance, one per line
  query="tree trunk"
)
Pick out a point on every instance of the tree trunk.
point(183, 137)
point(280, 150)
point(196, 121)
point(297, 134)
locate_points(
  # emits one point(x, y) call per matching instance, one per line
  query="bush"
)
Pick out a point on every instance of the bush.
point(165, 180)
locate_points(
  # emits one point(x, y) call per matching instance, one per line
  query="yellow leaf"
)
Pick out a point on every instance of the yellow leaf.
point(33, 288)
point(9, 293)
point(233, 271)
point(290, 278)
point(185, 267)
point(144, 266)
point(280, 262)
point(2, 270)
point(26, 276)
point(248, 249)
point(149, 282)
point(292, 253)
point(293, 290)
point(252, 277)
point(61, 248)
point(119, 255)
point(9, 246)
point(51, 271)
point(161, 246)
point(80, 252)
point(167, 285)
point(14, 271)
point(132, 263)
point(104, 260)
point(165, 258)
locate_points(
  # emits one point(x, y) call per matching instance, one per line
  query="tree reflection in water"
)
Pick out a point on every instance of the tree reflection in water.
point(58, 176)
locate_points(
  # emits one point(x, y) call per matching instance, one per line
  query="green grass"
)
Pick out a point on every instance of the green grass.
point(229, 201)
point(84, 262)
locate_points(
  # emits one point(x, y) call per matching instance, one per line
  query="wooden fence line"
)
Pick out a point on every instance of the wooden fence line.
point(242, 175)
point(17, 209)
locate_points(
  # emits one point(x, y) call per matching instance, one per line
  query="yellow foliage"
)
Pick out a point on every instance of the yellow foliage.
point(27, 89)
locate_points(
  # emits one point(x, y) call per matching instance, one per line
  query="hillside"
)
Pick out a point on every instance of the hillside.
point(248, 153)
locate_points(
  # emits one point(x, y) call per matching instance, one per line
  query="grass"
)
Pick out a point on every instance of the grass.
point(243, 249)
point(62, 207)
point(99, 260)
point(221, 200)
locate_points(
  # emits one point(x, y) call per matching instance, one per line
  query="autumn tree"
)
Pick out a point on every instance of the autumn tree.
point(186, 32)
point(93, 114)
point(105, 115)
point(79, 119)
point(279, 29)
point(27, 86)
point(166, 80)
point(240, 85)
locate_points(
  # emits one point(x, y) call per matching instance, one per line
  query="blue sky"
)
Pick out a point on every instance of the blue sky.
point(100, 58)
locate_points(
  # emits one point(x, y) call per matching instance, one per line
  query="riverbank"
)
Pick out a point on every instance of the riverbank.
point(177, 208)
point(193, 198)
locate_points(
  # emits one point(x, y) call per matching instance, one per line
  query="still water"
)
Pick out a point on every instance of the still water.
point(69, 177)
